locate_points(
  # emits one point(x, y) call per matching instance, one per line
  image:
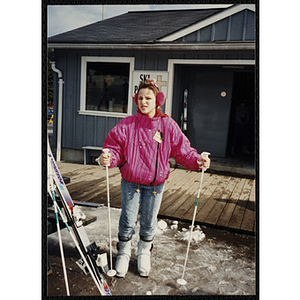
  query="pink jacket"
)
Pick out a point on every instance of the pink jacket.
point(142, 159)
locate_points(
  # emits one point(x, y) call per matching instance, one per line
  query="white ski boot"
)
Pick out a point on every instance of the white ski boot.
point(123, 258)
point(143, 255)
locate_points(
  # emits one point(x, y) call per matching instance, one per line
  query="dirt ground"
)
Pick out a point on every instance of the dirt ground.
point(83, 285)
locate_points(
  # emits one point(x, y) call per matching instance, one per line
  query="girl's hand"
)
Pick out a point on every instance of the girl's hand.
point(105, 159)
point(204, 162)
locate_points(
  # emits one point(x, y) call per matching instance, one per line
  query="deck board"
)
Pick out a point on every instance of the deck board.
point(176, 191)
point(191, 202)
point(225, 201)
point(249, 216)
point(185, 200)
point(206, 209)
point(220, 203)
point(241, 204)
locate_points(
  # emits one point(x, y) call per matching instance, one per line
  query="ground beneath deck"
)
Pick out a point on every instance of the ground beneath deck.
point(220, 263)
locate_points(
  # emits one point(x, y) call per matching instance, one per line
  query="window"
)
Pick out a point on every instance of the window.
point(106, 86)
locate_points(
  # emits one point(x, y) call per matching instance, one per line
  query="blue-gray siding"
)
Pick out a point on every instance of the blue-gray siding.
point(238, 27)
point(82, 130)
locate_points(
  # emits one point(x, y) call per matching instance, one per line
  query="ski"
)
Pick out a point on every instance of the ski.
point(87, 204)
point(72, 216)
point(51, 185)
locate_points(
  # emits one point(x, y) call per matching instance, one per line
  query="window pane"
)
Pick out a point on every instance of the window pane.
point(107, 87)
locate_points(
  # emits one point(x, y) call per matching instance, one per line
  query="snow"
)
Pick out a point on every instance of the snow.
point(218, 263)
point(197, 234)
point(162, 225)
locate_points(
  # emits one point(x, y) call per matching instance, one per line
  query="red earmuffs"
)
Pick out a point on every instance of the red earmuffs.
point(160, 98)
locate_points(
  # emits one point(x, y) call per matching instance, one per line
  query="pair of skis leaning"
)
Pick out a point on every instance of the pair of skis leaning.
point(72, 216)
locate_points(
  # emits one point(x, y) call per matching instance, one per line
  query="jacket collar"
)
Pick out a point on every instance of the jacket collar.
point(158, 113)
point(150, 123)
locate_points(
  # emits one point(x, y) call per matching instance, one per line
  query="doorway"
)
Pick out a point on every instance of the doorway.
point(212, 93)
point(241, 139)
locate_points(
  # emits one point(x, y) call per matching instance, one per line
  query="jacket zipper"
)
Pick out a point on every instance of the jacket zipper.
point(155, 164)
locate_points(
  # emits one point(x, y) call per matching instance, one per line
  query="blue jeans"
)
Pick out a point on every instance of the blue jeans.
point(133, 196)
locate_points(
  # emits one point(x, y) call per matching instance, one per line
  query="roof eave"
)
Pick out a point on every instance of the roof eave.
point(161, 46)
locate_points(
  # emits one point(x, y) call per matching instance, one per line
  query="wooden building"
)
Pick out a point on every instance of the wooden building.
point(203, 61)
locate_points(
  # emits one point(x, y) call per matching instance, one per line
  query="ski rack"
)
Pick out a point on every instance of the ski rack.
point(73, 216)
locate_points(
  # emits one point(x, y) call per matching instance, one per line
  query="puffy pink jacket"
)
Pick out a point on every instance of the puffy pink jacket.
point(142, 159)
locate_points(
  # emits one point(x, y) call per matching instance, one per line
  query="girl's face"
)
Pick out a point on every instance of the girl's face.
point(147, 102)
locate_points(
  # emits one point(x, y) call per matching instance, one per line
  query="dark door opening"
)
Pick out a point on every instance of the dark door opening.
point(241, 138)
point(214, 92)
point(209, 93)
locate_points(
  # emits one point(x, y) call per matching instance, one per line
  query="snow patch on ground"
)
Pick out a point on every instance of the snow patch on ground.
point(197, 234)
point(213, 267)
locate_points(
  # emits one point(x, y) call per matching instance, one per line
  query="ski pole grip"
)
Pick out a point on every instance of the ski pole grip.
point(205, 156)
point(106, 151)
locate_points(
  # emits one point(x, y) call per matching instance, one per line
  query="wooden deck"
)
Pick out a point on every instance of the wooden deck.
point(225, 202)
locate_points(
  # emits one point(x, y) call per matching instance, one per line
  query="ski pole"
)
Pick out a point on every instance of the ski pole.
point(61, 245)
point(89, 266)
point(58, 229)
point(111, 272)
point(76, 231)
point(181, 281)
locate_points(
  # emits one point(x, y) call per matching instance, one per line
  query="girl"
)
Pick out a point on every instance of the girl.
point(140, 145)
